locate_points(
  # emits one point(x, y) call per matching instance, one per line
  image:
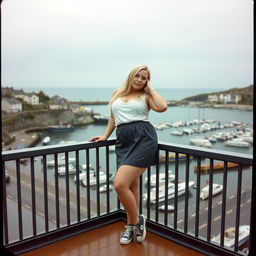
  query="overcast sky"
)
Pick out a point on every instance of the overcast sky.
point(82, 43)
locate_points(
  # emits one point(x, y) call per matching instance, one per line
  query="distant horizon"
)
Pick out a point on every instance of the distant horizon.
point(102, 87)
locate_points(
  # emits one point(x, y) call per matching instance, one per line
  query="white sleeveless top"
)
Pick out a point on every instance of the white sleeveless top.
point(133, 110)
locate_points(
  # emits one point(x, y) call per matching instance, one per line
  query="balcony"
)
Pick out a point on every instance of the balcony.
point(44, 209)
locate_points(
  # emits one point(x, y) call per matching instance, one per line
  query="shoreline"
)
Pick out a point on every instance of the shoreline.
point(179, 103)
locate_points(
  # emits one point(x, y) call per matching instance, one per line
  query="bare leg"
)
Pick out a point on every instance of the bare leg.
point(124, 179)
point(136, 192)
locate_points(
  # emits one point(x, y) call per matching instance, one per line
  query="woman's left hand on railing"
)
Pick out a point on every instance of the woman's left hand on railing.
point(98, 138)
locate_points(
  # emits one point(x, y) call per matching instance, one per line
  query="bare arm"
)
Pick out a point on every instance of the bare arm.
point(110, 128)
point(155, 101)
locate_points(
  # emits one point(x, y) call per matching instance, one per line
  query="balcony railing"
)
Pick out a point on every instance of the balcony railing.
point(41, 206)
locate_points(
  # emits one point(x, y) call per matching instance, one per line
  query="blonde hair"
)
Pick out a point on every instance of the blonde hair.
point(127, 86)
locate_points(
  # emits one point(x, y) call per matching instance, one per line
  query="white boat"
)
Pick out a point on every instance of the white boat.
point(237, 143)
point(201, 142)
point(104, 188)
point(93, 180)
point(83, 175)
point(229, 236)
point(171, 177)
point(72, 169)
point(188, 130)
point(169, 208)
point(46, 140)
point(176, 132)
point(61, 161)
point(171, 192)
point(216, 189)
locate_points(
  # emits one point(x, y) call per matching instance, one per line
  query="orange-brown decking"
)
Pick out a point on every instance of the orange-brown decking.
point(105, 242)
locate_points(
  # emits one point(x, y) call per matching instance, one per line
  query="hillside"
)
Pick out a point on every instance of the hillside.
point(246, 94)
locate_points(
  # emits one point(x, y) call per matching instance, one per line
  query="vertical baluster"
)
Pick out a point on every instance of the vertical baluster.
point(166, 186)
point(77, 188)
point(175, 218)
point(157, 192)
point(67, 188)
point(209, 223)
point(186, 195)
point(140, 189)
point(33, 195)
point(98, 181)
point(107, 173)
point(5, 213)
point(19, 199)
point(148, 193)
point(56, 190)
point(198, 195)
point(88, 183)
point(45, 195)
point(238, 204)
point(223, 210)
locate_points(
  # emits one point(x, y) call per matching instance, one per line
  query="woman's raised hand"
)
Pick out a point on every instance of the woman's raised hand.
point(98, 138)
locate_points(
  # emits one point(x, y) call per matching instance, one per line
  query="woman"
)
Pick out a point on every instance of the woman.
point(137, 144)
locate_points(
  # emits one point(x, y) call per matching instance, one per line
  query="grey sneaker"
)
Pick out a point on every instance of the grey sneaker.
point(127, 236)
point(140, 229)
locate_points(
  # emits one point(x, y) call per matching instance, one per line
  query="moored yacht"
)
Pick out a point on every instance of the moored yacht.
point(171, 192)
point(216, 189)
point(229, 236)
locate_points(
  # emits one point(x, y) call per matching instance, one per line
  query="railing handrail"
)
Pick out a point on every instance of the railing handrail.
point(52, 149)
point(186, 149)
point(208, 153)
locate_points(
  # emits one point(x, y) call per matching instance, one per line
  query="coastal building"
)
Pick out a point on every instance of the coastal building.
point(75, 108)
point(57, 103)
point(11, 105)
point(229, 98)
point(31, 98)
point(213, 98)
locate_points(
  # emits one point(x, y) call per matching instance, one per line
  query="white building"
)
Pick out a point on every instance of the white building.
point(11, 105)
point(213, 98)
point(31, 98)
point(229, 98)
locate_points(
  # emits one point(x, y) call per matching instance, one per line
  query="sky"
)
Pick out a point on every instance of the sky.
point(82, 43)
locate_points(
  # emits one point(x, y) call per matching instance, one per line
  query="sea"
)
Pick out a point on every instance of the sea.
point(173, 114)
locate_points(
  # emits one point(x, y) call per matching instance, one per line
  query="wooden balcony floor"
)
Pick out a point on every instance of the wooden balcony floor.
point(105, 242)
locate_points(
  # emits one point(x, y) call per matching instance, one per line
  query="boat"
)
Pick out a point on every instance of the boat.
point(60, 128)
point(188, 130)
point(46, 140)
point(201, 142)
point(229, 236)
point(216, 189)
point(216, 166)
point(83, 175)
point(105, 187)
point(100, 119)
point(171, 192)
point(71, 169)
point(171, 177)
point(93, 180)
point(237, 143)
point(170, 208)
point(172, 157)
point(176, 132)
point(61, 161)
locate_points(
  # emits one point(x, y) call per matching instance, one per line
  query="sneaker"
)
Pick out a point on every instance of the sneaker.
point(140, 229)
point(127, 236)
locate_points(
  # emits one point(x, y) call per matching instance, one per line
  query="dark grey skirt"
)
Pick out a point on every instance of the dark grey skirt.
point(137, 144)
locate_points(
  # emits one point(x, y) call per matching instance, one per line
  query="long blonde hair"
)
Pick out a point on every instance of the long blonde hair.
point(127, 86)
